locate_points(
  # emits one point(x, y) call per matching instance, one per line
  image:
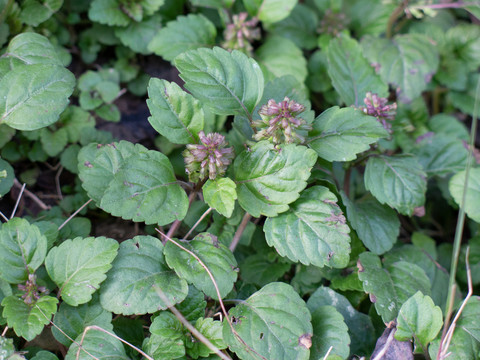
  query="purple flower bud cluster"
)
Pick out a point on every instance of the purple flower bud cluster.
point(279, 122)
point(377, 106)
point(209, 158)
point(240, 34)
point(31, 290)
point(332, 23)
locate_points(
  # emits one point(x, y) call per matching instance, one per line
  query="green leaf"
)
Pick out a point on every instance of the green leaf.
point(377, 225)
point(220, 194)
point(97, 344)
point(33, 96)
point(467, 99)
point(419, 318)
point(261, 269)
point(137, 273)
point(441, 155)
point(368, 16)
point(22, 250)
point(6, 347)
point(228, 83)
point(443, 124)
point(6, 180)
point(270, 11)
point(31, 48)
point(212, 330)
point(269, 179)
point(167, 337)
point(351, 74)
point(184, 33)
point(279, 56)
point(390, 287)
point(216, 257)
point(407, 62)
point(176, 114)
point(398, 181)
point(194, 304)
point(339, 134)
point(138, 35)
point(313, 231)
point(329, 330)
point(360, 327)
point(28, 321)
point(73, 320)
point(35, 12)
point(472, 198)
point(108, 12)
point(274, 322)
point(44, 355)
point(53, 142)
point(78, 266)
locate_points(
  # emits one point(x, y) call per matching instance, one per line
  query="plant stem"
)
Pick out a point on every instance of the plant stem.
point(395, 15)
point(5, 11)
point(239, 232)
point(176, 224)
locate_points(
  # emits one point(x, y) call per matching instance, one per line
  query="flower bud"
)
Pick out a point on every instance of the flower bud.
point(241, 33)
point(377, 106)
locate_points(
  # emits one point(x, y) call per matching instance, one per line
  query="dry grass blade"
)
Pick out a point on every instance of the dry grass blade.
point(18, 201)
point(74, 214)
point(198, 222)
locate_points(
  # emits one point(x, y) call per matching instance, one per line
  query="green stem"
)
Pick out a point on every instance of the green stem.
point(395, 15)
point(5, 11)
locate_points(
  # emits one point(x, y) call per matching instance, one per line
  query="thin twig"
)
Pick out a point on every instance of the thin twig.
point(198, 222)
point(4, 331)
point(3, 216)
point(385, 346)
point(176, 224)
point(94, 327)
point(18, 201)
point(57, 182)
point(75, 213)
point(239, 232)
point(189, 326)
point(328, 353)
point(222, 306)
point(31, 195)
point(456, 5)
point(395, 15)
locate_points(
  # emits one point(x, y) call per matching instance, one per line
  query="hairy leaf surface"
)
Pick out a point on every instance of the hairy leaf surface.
point(472, 198)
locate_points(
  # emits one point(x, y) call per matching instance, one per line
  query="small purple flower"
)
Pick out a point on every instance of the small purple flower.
point(332, 23)
point(377, 106)
point(279, 122)
point(209, 158)
point(241, 33)
point(31, 290)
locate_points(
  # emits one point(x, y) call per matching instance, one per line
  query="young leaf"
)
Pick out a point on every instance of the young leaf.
point(261, 269)
point(78, 266)
point(212, 330)
point(6, 180)
point(72, 320)
point(313, 231)
point(398, 181)
point(472, 198)
point(377, 225)
point(53, 142)
point(31, 48)
point(419, 318)
point(138, 35)
point(329, 330)
point(22, 250)
point(269, 179)
point(184, 33)
point(44, 355)
point(108, 12)
point(270, 11)
point(167, 337)
point(351, 74)
point(274, 322)
point(35, 12)
point(137, 273)
point(33, 96)
point(339, 134)
point(98, 344)
point(360, 327)
point(216, 257)
point(220, 194)
point(389, 288)
point(408, 62)
point(194, 304)
point(28, 320)
point(228, 83)
point(176, 114)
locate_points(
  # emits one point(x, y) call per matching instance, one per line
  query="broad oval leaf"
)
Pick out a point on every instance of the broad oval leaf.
point(78, 266)
point(167, 339)
point(28, 320)
point(377, 225)
point(212, 330)
point(329, 330)
point(6, 180)
point(216, 257)
point(22, 250)
point(398, 181)
point(137, 35)
point(419, 318)
point(339, 134)
point(228, 83)
point(407, 61)
point(351, 74)
point(270, 11)
point(137, 273)
point(98, 344)
point(184, 33)
point(472, 198)
point(274, 322)
point(108, 12)
point(176, 114)
point(313, 231)
point(390, 287)
point(220, 194)
point(31, 48)
point(34, 96)
point(269, 179)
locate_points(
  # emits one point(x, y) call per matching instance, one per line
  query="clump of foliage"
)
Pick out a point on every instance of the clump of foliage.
point(302, 198)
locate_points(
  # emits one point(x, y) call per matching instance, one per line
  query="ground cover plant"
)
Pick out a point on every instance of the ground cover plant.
point(227, 179)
